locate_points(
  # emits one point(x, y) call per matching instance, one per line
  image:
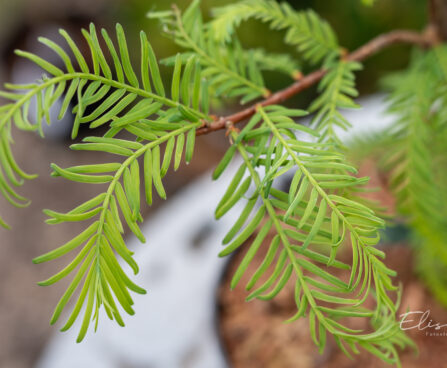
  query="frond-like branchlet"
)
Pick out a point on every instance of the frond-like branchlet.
point(116, 95)
point(337, 90)
point(100, 276)
point(313, 36)
point(311, 222)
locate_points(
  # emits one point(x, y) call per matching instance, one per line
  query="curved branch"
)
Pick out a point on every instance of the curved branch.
point(372, 47)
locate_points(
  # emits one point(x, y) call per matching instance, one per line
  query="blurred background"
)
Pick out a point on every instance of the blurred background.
point(25, 308)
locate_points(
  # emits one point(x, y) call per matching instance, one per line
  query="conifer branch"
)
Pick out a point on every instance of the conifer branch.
point(318, 214)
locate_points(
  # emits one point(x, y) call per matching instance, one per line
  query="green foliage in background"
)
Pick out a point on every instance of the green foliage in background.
point(151, 123)
point(411, 152)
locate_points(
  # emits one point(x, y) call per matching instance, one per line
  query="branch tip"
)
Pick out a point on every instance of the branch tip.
point(297, 75)
point(230, 129)
point(344, 53)
point(267, 93)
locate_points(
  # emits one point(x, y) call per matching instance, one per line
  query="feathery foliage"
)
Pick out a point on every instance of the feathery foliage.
point(338, 90)
point(313, 37)
point(228, 71)
point(103, 240)
point(315, 223)
point(310, 224)
point(137, 105)
point(412, 159)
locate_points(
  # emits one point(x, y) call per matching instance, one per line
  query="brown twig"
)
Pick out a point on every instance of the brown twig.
point(425, 39)
point(437, 13)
